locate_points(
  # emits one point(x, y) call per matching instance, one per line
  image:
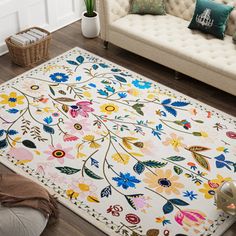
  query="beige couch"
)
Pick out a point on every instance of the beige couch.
point(168, 41)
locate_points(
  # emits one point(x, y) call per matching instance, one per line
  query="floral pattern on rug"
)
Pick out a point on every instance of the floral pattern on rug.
point(137, 157)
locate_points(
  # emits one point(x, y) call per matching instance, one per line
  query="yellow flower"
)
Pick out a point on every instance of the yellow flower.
point(208, 191)
point(79, 153)
point(87, 94)
point(121, 158)
point(134, 92)
point(163, 181)
point(210, 187)
point(220, 149)
point(91, 140)
point(204, 134)
point(151, 96)
point(93, 199)
point(127, 141)
point(12, 99)
point(109, 108)
point(71, 194)
point(174, 141)
point(219, 179)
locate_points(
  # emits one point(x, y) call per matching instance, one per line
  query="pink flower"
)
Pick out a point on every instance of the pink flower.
point(42, 166)
point(56, 178)
point(77, 126)
point(190, 218)
point(69, 138)
point(59, 153)
point(84, 187)
point(141, 202)
point(21, 154)
point(81, 108)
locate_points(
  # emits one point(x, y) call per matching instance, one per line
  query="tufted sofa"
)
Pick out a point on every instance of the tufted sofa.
point(167, 40)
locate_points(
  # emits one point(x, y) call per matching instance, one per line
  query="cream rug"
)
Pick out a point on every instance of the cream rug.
point(127, 154)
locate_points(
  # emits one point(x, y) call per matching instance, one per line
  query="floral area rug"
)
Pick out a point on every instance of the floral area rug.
point(129, 155)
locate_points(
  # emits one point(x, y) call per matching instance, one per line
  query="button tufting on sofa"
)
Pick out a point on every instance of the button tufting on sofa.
point(166, 39)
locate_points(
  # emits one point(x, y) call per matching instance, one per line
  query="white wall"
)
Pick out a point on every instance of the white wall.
point(16, 15)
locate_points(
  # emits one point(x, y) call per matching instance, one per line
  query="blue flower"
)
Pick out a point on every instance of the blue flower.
point(2, 131)
point(94, 163)
point(13, 111)
point(126, 180)
point(59, 77)
point(78, 78)
point(190, 194)
point(141, 84)
point(92, 85)
point(193, 167)
point(122, 95)
point(48, 120)
point(158, 131)
point(12, 132)
point(165, 222)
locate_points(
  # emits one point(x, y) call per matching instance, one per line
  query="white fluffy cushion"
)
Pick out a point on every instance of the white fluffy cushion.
point(171, 34)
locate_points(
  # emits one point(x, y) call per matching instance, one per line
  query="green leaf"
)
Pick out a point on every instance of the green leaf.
point(52, 91)
point(178, 170)
point(168, 208)
point(3, 144)
point(64, 99)
point(28, 144)
point(137, 107)
point(91, 173)
point(72, 62)
point(130, 198)
point(65, 108)
point(121, 79)
point(201, 160)
point(139, 168)
point(68, 170)
point(48, 129)
point(80, 59)
point(178, 202)
point(175, 158)
point(154, 164)
point(199, 121)
point(198, 148)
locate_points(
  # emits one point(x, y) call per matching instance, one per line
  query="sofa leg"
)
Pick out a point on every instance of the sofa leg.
point(105, 44)
point(177, 75)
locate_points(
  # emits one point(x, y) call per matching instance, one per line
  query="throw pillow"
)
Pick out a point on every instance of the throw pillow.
point(210, 17)
point(153, 7)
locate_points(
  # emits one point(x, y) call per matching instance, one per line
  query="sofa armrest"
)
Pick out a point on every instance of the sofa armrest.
point(109, 11)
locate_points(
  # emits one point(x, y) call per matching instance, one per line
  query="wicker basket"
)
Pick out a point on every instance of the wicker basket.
point(30, 54)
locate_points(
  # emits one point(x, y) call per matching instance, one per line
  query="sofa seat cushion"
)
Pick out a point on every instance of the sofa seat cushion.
point(171, 34)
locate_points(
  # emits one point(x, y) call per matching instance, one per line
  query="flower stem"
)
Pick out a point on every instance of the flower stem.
point(163, 197)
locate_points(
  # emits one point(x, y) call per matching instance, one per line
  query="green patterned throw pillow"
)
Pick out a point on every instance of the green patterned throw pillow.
point(210, 17)
point(153, 7)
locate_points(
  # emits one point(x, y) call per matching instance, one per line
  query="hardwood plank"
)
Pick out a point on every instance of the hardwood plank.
point(69, 37)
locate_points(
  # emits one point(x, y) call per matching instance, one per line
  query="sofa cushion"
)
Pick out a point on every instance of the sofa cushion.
point(210, 17)
point(171, 34)
point(153, 7)
point(185, 9)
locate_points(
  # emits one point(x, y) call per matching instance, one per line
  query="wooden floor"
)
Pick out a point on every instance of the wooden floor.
point(69, 37)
